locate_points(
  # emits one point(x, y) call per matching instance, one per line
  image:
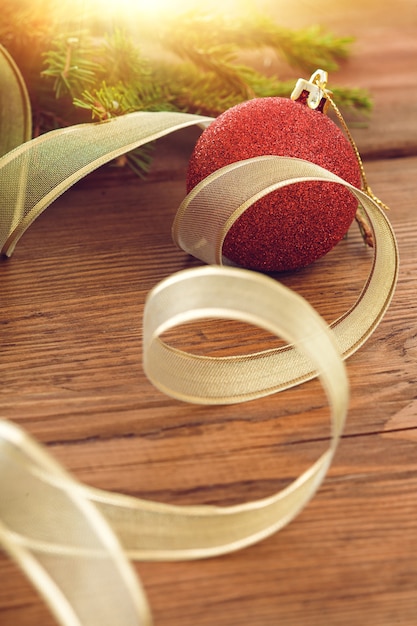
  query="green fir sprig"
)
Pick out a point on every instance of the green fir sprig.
point(86, 68)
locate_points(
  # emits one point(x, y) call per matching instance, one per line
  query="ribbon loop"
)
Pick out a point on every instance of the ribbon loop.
point(62, 541)
point(79, 539)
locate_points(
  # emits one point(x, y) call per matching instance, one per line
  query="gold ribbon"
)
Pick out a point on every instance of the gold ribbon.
point(15, 109)
point(212, 207)
point(71, 539)
point(37, 172)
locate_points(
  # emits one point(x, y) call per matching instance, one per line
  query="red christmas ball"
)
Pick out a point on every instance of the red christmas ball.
point(291, 227)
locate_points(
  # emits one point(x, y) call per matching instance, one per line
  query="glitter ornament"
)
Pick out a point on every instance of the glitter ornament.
point(290, 227)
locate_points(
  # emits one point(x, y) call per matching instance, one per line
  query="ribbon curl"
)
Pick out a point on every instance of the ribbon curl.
point(73, 541)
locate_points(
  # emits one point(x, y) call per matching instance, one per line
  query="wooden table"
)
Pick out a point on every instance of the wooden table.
point(71, 314)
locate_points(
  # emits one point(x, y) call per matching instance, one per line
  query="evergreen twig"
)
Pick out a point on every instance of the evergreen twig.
point(86, 71)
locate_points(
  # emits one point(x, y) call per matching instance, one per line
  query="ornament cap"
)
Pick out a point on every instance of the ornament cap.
point(312, 92)
point(315, 95)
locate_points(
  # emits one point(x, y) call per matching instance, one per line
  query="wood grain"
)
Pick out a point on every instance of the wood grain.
point(71, 314)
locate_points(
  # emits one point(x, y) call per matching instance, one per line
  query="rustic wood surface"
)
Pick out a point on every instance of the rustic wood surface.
point(71, 314)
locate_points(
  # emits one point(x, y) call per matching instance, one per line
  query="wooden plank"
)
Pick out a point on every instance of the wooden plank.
point(80, 388)
point(72, 303)
point(383, 61)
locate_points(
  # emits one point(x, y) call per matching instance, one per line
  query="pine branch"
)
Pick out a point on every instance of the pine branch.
point(193, 63)
point(109, 101)
point(70, 64)
point(217, 61)
point(307, 48)
point(140, 160)
point(202, 93)
point(122, 60)
point(352, 98)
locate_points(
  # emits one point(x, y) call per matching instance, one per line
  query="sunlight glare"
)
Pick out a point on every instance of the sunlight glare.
point(157, 8)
